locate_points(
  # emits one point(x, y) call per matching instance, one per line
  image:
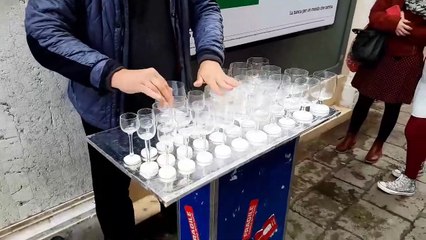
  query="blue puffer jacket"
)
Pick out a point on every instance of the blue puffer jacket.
point(87, 40)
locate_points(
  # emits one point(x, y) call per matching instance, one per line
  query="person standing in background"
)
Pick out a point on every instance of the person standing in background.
point(394, 78)
point(415, 132)
point(118, 55)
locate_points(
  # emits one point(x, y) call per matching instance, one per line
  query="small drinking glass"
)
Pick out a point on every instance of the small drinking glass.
point(147, 128)
point(129, 124)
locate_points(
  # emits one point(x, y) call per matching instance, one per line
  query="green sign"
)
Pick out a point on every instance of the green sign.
point(236, 3)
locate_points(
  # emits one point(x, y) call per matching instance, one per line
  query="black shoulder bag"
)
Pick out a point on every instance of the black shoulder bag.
point(368, 46)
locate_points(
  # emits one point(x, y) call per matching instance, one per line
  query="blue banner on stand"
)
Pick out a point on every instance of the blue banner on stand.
point(253, 199)
point(194, 215)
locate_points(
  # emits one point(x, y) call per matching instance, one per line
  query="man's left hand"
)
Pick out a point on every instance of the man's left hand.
point(211, 73)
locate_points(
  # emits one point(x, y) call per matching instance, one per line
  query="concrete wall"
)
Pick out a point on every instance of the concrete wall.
point(43, 155)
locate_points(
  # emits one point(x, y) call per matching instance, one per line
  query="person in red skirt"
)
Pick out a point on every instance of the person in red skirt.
point(394, 78)
point(415, 132)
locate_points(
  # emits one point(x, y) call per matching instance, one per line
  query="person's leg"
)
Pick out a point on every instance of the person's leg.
point(359, 115)
point(389, 119)
point(415, 132)
point(114, 207)
point(405, 184)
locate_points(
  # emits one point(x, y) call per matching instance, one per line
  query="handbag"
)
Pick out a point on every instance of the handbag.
point(351, 63)
point(368, 46)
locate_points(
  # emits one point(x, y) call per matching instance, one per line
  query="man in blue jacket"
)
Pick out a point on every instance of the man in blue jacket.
point(118, 55)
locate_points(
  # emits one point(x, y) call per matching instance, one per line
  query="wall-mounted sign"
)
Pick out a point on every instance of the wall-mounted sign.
point(248, 21)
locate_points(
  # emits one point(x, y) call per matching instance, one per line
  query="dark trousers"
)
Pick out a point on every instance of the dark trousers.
point(114, 207)
point(389, 119)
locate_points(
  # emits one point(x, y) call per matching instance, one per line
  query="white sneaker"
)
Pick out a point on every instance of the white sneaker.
point(397, 172)
point(402, 186)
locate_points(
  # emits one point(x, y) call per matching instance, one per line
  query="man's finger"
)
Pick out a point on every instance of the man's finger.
point(231, 81)
point(199, 82)
point(164, 89)
point(215, 88)
point(223, 84)
point(149, 92)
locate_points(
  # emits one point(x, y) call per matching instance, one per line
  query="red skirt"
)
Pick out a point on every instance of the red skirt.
point(392, 80)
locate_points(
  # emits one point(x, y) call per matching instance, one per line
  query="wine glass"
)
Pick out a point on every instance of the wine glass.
point(178, 88)
point(271, 69)
point(206, 125)
point(300, 93)
point(196, 102)
point(257, 62)
point(165, 128)
point(326, 92)
point(147, 128)
point(295, 73)
point(328, 85)
point(314, 87)
point(129, 124)
point(238, 68)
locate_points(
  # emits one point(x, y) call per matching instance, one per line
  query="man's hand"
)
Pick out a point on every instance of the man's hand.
point(147, 81)
point(403, 29)
point(211, 73)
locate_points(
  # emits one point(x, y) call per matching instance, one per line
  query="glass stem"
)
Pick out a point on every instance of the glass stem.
point(204, 142)
point(148, 150)
point(187, 146)
point(167, 154)
point(131, 144)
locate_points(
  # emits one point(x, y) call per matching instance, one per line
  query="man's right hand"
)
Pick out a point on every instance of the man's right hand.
point(147, 81)
point(403, 29)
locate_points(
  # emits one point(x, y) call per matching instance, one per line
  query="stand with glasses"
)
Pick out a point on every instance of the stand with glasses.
point(226, 159)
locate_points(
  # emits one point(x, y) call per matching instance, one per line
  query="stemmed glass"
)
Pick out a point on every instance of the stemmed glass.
point(328, 85)
point(295, 73)
point(238, 68)
point(206, 126)
point(271, 69)
point(257, 62)
point(196, 102)
point(147, 128)
point(165, 129)
point(326, 91)
point(300, 91)
point(129, 124)
point(178, 88)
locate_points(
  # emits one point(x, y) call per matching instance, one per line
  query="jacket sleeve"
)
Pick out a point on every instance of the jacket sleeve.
point(50, 28)
point(380, 20)
point(418, 35)
point(207, 27)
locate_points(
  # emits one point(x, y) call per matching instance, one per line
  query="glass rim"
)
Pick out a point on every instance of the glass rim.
point(327, 74)
point(299, 70)
point(142, 111)
point(132, 114)
point(196, 92)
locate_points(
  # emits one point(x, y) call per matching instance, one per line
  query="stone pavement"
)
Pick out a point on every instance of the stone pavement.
point(334, 196)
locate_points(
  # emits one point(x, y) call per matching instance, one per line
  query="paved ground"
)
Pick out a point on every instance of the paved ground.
point(335, 195)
